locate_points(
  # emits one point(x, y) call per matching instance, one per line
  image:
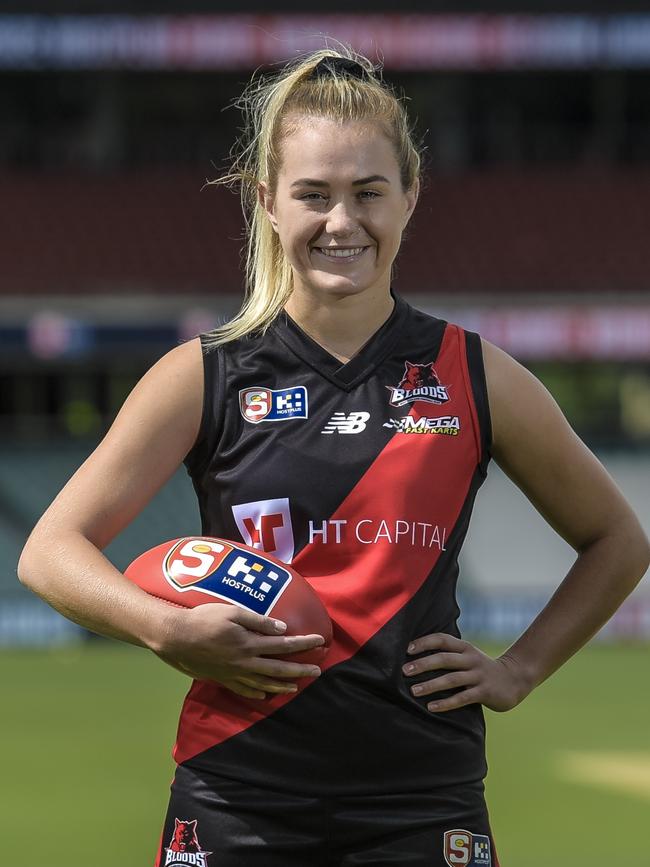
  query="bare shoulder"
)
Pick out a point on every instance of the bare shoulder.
point(183, 363)
point(515, 396)
point(537, 447)
point(182, 367)
point(170, 394)
point(526, 419)
point(164, 409)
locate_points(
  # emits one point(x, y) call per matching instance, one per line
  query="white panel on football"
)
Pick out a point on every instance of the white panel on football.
point(266, 525)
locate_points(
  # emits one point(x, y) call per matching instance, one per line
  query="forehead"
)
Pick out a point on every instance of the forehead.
point(314, 147)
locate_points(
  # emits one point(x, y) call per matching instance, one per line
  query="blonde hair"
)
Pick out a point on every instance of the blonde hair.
point(267, 104)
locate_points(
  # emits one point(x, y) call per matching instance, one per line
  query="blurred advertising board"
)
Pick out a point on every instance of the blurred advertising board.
point(501, 616)
point(402, 41)
point(595, 332)
point(579, 333)
point(495, 617)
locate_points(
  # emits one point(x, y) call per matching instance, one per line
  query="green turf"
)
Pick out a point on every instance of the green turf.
point(87, 732)
point(598, 702)
point(86, 764)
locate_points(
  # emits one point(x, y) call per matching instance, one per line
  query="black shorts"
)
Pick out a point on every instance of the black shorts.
point(213, 821)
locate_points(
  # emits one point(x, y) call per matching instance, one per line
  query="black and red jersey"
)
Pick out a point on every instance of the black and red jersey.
point(363, 476)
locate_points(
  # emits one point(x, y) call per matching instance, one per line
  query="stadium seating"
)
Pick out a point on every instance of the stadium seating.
point(30, 478)
point(500, 231)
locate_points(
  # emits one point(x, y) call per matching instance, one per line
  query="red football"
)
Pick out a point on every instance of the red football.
point(197, 570)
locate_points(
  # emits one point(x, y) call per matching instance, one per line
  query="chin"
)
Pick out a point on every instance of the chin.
point(335, 284)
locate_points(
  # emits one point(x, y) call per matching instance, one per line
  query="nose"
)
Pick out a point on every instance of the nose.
point(341, 220)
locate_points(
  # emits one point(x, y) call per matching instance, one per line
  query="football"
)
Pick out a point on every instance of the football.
point(198, 570)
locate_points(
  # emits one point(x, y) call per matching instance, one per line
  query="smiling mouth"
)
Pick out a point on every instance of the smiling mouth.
point(340, 252)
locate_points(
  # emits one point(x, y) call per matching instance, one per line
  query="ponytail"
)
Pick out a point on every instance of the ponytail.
point(315, 85)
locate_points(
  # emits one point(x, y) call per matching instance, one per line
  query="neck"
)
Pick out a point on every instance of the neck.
point(340, 324)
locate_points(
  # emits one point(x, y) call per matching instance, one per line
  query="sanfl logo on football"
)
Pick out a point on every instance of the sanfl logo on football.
point(352, 423)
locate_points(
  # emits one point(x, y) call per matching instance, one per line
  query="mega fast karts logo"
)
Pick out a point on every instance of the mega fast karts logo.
point(464, 849)
point(184, 848)
point(224, 570)
point(444, 424)
point(258, 404)
point(419, 382)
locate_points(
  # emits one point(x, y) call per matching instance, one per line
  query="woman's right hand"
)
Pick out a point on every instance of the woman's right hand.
point(231, 646)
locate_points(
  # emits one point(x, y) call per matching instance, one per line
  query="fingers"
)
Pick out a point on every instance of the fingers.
point(438, 641)
point(263, 635)
point(455, 680)
point(454, 661)
point(281, 668)
point(260, 674)
point(260, 684)
point(447, 681)
point(257, 622)
point(262, 645)
point(266, 684)
point(455, 656)
point(477, 677)
point(460, 699)
point(243, 689)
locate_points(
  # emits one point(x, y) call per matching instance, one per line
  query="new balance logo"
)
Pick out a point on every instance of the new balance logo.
point(341, 423)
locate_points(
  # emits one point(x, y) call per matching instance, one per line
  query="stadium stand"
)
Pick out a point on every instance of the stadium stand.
point(502, 231)
point(30, 478)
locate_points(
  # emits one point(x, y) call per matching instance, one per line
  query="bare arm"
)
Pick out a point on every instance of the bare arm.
point(62, 560)
point(537, 448)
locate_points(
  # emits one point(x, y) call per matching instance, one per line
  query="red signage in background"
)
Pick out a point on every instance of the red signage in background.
point(569, 333)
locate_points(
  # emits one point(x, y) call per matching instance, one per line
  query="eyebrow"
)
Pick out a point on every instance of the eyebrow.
point(311, 182)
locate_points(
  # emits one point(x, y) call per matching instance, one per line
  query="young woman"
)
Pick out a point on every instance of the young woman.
point(336, 426)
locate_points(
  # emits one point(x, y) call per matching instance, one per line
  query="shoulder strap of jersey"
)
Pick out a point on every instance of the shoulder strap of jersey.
point(474, 374)
point(201, 452)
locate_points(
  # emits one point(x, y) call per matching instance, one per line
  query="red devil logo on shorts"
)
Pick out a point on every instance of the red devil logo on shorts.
point(184, 847)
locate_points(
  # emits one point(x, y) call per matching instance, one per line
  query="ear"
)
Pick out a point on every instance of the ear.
point(193, 824)
point(411, 196)
point(410, 366)
point(177, 823)
point(267, 201)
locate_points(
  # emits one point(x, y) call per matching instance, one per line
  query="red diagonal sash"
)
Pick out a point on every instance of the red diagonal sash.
point(393, 525)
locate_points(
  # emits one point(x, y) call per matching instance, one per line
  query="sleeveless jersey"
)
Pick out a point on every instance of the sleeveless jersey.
point(363, 476)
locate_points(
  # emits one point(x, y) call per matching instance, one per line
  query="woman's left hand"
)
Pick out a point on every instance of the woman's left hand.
point(500, 684)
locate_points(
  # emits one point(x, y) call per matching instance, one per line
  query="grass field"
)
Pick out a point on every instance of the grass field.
point(86, 767)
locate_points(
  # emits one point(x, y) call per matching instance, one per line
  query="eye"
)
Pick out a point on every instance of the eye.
point(369, 195)
point(313, 197)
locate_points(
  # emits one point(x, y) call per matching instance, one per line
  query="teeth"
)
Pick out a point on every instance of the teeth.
point(341, 254)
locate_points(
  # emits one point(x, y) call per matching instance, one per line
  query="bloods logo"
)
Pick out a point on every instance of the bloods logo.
point(268, 404)
point(420, 382)
point(184, 848)
point(464, 849)
point(445, 424)
point(226, 571)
